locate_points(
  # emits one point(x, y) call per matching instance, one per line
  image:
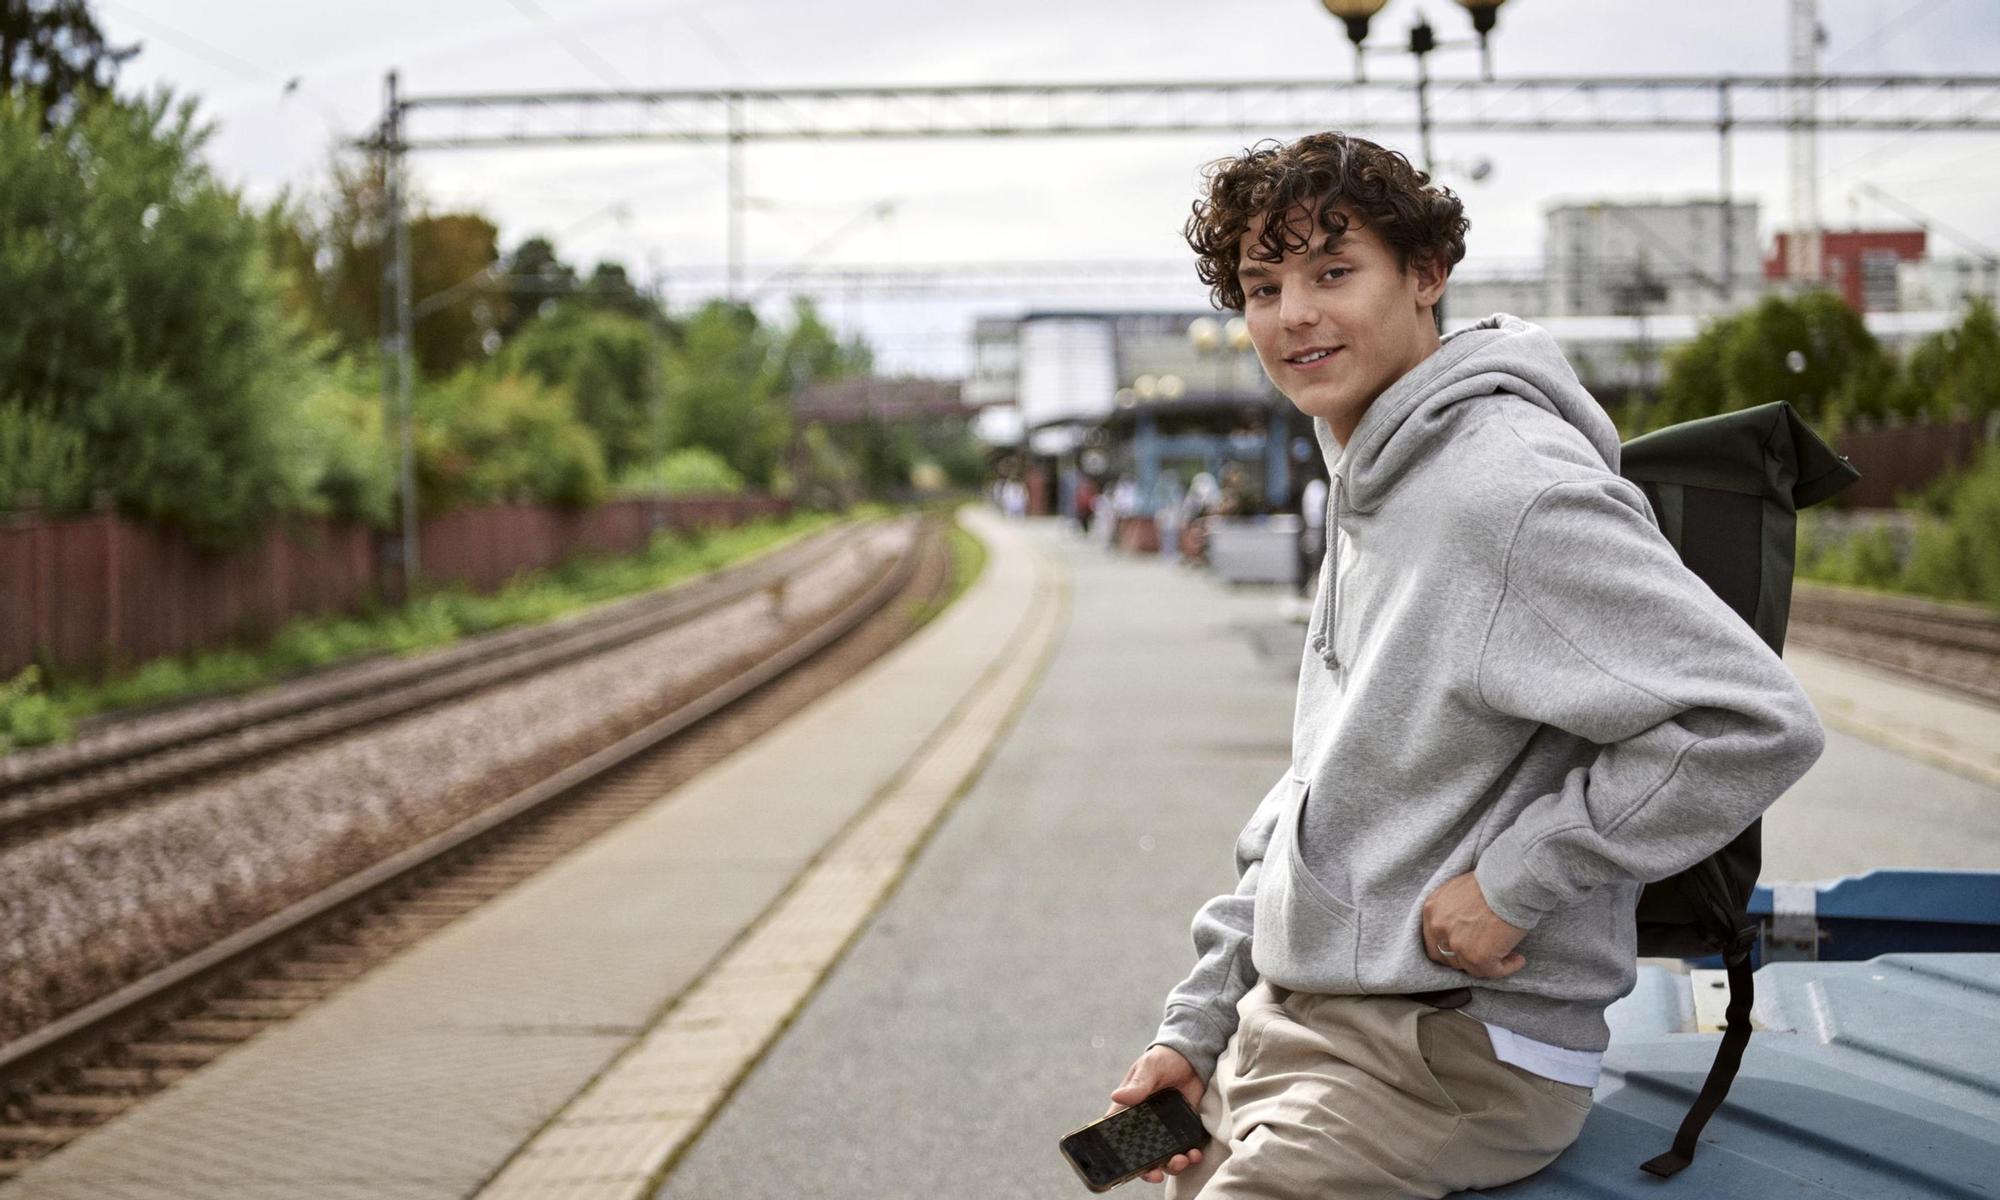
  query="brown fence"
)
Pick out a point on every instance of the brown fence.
point(1899, 459)
point(93, 590)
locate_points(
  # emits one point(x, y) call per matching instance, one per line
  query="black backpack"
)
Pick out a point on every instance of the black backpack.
point(1726, 491)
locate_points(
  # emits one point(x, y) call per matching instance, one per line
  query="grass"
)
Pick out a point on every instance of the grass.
point(968, 559)
point(37, 711)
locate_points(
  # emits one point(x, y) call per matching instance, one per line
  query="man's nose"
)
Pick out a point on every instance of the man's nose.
point(1295, 306)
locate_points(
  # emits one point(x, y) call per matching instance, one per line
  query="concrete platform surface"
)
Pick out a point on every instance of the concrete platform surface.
point(1945, 728)
point(424, 1079)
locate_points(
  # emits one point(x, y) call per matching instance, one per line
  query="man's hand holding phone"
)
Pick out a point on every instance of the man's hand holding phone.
point(1161, 1067)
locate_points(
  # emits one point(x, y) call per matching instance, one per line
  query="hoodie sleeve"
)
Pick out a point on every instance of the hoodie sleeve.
point(1601, 631)
point(1201, 1009)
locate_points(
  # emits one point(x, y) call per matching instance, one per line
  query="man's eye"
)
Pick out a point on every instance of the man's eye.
point(1262, 290)
point(1333, 272)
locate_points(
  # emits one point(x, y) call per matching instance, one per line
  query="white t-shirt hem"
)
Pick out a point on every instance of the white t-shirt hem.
point(1580, 1067)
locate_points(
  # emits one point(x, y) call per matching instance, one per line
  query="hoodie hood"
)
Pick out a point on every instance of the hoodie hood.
point(1499, 355)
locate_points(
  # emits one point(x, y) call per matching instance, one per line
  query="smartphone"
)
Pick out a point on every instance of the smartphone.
point(1133, 1141)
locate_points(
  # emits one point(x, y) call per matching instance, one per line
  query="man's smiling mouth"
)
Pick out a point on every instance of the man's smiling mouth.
point(1310, 357)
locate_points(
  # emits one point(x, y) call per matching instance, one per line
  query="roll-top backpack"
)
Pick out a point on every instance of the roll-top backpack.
point(1726, 491)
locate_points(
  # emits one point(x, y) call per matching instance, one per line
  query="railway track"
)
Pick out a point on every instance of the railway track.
point(97, 1062)
point(60, 786)
point(1956, 646)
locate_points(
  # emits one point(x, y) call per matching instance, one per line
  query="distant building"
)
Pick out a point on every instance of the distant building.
point(1106, 393)
point(1860, 264)
point(873, 398)
point(1947, 284)
point(1692, 257)
point(1482, 292)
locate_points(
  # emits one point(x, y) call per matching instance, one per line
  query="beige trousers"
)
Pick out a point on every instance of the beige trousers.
point(1344, 1097)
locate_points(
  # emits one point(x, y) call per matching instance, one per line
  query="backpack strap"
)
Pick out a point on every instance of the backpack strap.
point(1728, 1057)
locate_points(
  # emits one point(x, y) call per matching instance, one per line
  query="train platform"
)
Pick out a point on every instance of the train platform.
point(571, 1037)
point(899, 946)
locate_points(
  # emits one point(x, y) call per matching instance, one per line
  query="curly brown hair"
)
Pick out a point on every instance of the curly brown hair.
point(1419, 220)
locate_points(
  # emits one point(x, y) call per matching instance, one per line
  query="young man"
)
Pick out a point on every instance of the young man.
point(1514, 706)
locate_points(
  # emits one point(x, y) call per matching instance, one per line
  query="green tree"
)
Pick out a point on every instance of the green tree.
point(536, 282)
point(156, 332)
point(485, 437)
point(1797, 350)
point(611, 289)
point(54, 51)
point(1955, 372)
point(726, 391)
point(41, 460)
point(1695, 384)
point(340, 429)
point(331, 245)
point(609, 363)
point(1813, 351)
point(812, 352)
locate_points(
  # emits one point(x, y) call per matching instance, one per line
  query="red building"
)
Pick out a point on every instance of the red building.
point(1860, 264)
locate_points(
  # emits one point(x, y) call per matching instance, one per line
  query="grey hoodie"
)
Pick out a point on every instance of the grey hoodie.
point(1509, 671)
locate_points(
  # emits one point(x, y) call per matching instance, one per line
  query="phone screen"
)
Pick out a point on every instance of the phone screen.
point(1134, 1140)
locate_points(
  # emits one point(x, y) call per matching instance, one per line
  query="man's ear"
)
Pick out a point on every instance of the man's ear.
point(1431, 274)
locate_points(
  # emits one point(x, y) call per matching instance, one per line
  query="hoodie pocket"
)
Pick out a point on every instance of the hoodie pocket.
point(1305, 937)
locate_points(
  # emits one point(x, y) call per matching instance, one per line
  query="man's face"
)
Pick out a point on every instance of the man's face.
point(1334, 330)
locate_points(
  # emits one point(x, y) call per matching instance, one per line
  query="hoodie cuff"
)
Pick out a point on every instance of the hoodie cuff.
point(1191, 1033)
point(1511, 888)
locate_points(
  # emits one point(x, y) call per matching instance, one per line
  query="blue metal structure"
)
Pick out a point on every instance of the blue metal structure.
point(1874, 1077)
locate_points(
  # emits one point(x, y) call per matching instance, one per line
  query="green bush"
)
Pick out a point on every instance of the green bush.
point(609, 363)
point(1954, 555)
point(695, 471)
point(40, 459)
point(486, 438)
point(1958, 557)
point(340, 431)
point(28, 715)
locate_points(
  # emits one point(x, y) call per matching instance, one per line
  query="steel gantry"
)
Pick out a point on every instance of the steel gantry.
point(731, 117)
point(1569, 104)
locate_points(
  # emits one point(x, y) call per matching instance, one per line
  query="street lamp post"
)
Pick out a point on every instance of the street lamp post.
point(1356, 14)
point(1485, 15)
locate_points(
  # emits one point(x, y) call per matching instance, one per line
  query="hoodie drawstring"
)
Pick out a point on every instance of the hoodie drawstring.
point(1330, 578)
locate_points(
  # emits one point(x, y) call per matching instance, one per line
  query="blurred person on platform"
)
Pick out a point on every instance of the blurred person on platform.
point(1312, 532)
point(1435, 902)
point(1124, 505)
point(1203, 495)
point(1086, 503)
point(1167, 497)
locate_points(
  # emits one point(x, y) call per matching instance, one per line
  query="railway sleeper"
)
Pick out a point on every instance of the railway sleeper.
point(267, 988)
point(261, 1008)
point(28, 1137)
point(206, 1029)
point(130, 1078)
point(91, 1107)
point(337, 952)
point(306, 969)
point(176, 1054)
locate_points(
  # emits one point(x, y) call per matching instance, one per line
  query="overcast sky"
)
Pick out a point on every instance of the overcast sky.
point(661, 208)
